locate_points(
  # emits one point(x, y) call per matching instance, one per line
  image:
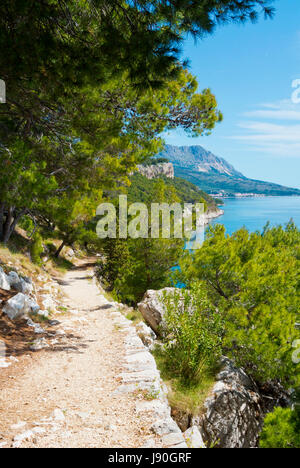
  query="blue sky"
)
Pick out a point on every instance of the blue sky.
point(251, 69)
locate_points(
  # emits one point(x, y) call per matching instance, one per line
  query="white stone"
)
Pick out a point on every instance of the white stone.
point(4, 364)
point(140, 376)
point(193, 438)
point(4, 281)
point(17, 307)
point(160, 409)
point(39, 344)
point(172, 439)
point(165, 426)
point(39, 430)
point(58, 415)
point(27, 435)
point(19, 425)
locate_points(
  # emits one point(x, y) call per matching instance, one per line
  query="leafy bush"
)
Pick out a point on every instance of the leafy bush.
point(194, 334)
point(281, 429)
point(254, 281)
point(37, 249)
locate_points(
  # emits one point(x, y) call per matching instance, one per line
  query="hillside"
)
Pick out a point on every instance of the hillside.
point(215, 175)
point(186, 191)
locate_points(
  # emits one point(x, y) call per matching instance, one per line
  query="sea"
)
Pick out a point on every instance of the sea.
point(254, 213)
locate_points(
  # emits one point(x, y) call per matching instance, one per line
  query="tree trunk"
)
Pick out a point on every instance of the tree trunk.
point(1, 220)
point(7, 225)
point(59, 250)
point(11, 223)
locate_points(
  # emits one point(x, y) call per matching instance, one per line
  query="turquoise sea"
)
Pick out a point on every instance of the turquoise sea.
point(254, 213)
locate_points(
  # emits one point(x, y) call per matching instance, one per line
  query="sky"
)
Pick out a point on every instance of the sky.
point(252, 70)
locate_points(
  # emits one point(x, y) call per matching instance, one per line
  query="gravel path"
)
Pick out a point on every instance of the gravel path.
point(64, 395)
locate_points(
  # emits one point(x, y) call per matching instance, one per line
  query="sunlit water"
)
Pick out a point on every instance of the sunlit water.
point(254, 213)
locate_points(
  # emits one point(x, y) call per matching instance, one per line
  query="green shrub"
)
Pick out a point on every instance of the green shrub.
point(281, 429)
point(253, 278)
point(37, 249)
point(194, 334)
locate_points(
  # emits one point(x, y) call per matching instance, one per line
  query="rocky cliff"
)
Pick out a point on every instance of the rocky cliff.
point(158, 170)
point(215, 175)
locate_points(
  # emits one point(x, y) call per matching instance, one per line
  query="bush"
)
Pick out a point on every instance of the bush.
point(194, 335)
point(281, 429)
point(37, 249)
point(254, 281)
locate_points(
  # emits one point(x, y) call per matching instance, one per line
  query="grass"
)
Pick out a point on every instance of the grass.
point(185, 398)
point(61, 264)
point(135, 316)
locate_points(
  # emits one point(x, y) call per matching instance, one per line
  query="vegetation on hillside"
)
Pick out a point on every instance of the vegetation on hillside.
point(253, 282)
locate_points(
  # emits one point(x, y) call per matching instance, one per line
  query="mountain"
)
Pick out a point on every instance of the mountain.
point(215, 175)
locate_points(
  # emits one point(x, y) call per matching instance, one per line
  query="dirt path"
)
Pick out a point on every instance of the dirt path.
point(66, 395)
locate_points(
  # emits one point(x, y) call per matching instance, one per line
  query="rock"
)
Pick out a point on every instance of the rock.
point(19, 284)
point(54, 323)
point(140, 361)
point(110, 427)
point(193, 438)
point(156, 407)
point(37, 328)
point(58, 415)
point(157, 170)
point(39, 344)
point(172, 439)
point(49, 304)
point(165, 426)
point(153, 309)
point(39, 430)
point(35, 308)
point(146, 334)
point(24, 436)
point(3, 363)
point(19, 425)
point(70, 253)
point(43, 313)
point(83, 415)
point(4, 281)
point(183, 418)
point(150, 443)
point(234, 416)
point(140, 376)
point(16, 307)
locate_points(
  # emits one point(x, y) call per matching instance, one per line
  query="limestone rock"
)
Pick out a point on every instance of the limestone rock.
point(234, 415)
point(193, 438)
point(157, 170)
point(146, 334)
point(39, 344)
point(165, 426)
point(19, 284)
point(4, 281)
point(58, 415)
point(153, 309)
point(16, 307)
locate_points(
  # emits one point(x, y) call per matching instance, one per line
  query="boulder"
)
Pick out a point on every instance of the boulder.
point(146, 334)
point(4, 280)
point(193, 438)
point(34, 307)
point(16, 307)
point(19, 284)
point(234, 415)
point(157, 170)
point(153, 309)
